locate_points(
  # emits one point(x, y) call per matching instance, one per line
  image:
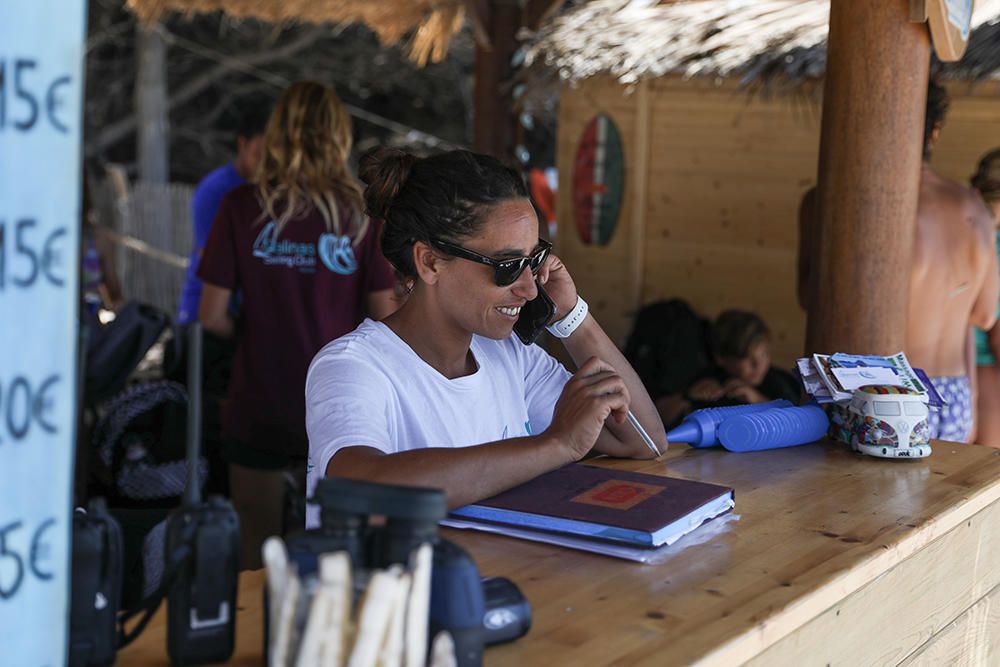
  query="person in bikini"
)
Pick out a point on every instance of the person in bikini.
point(954, 284)
point(986, 182)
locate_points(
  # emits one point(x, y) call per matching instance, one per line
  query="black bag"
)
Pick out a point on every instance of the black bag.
point(140, 441)
point(96, 587)
point(114, 350)
point(668, 347)
point(201, 599)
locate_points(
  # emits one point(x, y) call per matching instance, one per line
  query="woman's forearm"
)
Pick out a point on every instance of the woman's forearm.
point(213, 311)
point(590, 340)
point(466, 474)
point(222, 325)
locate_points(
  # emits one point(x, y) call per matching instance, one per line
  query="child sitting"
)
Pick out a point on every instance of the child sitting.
point(741, 349)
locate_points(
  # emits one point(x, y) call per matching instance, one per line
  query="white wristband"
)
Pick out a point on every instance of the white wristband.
point(567, 325)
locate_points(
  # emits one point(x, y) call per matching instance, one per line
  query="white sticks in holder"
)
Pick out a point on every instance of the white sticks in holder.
point(311, 623)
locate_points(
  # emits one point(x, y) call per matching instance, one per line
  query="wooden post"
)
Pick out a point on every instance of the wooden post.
point(495, 24)
point(494, 109)
point(153, 141)
point(869, 176)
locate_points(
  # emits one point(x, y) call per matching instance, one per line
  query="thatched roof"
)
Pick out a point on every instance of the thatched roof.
point(434, 21)
point(754, 40)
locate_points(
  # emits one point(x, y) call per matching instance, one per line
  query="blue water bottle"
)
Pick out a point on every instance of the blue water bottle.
point(700, 428)
point(771, 429)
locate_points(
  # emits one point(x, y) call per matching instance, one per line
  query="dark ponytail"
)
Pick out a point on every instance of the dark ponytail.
point(438, 197)
point(383, 170)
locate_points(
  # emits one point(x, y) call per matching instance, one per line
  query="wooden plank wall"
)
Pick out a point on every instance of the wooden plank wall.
point(725, 175)
point(971, 128)
point(917, 613)
point(728, 172)
point(602, 273)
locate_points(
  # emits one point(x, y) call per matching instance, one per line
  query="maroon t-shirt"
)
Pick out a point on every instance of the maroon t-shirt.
point(300, 290)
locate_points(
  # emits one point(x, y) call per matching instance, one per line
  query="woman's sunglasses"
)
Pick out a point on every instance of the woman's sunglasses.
point(507, 270)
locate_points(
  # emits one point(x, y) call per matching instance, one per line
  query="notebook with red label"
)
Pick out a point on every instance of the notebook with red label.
point(600, 503)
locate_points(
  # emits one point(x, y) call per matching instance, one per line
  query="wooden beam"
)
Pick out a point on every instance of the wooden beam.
point(537, 11)
point(869, 176)
point(151, 98)
point(479, 15)
point(494, 121)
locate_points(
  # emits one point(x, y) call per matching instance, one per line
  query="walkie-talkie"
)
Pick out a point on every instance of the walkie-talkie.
point(201, 601)
point(96, 586)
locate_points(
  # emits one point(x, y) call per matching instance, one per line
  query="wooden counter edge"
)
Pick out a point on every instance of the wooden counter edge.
point(883, 557)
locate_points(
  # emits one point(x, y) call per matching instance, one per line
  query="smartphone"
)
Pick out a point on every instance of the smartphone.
point(534, 316)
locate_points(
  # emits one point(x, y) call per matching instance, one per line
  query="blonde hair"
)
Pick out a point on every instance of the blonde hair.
point(304, 163)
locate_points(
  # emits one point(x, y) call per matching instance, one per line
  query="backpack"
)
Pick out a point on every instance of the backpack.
point(115, 350)
point(668, 347)
point(141, 440)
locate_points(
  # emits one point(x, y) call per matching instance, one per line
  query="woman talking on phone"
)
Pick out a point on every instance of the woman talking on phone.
point(440, 394)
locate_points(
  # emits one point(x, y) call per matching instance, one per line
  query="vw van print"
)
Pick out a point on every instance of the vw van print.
point(889, 422)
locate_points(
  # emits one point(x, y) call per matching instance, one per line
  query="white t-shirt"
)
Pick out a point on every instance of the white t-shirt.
point(370, 388)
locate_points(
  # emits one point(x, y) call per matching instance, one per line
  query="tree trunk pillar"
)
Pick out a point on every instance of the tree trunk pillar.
point(869, 176)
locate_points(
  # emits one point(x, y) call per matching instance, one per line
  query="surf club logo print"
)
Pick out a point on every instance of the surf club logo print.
point(335, 251)
point(267, 247)
point(337, 254)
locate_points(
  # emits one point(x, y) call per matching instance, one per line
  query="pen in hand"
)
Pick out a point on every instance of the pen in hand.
point(642, 433)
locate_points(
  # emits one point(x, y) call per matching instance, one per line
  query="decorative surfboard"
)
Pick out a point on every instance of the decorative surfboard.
point(950, 22)
point(598, 181)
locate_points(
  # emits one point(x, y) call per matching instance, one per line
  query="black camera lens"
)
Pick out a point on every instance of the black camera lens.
point(343, 523)
point(337, 533)
point(411, 516)
point(411, 519)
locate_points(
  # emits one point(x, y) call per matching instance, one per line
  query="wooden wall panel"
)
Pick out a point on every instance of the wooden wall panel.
point(602, 273)
point(722, 276)
point(971, 640)
point(726, 175)
point(726, 171)
point(971, 128)
point(923, 601)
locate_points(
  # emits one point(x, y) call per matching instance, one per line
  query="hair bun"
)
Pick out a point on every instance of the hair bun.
point(383, 170)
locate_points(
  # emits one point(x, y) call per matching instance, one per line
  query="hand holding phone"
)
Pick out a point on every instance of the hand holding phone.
point(535, 315)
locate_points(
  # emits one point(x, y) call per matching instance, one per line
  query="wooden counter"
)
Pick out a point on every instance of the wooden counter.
point(834, 559)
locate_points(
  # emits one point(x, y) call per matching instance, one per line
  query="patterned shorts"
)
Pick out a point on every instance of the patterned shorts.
point(953, 421)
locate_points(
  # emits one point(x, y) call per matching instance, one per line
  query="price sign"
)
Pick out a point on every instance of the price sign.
point(41, 85)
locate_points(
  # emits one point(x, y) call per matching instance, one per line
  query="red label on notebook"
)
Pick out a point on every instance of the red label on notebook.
point(617, 494)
